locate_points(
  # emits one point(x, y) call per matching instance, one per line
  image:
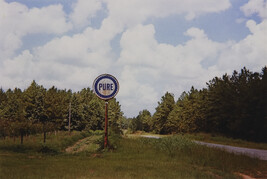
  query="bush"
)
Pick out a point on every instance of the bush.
point(49, 150)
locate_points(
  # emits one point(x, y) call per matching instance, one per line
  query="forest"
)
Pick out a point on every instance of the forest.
point(232, 105)
point(38, 110)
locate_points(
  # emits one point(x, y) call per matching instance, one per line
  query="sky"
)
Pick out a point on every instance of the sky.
point(150, 46)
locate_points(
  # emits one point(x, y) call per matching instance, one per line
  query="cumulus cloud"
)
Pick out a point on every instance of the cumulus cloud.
point(16, 21)
point(127, 14)
point(255, 7)
point(137, 11)
point(145, 68)
point(140, 48)
point(153, 68)
point(250, 52)
point(164, 67)
point(84, 11)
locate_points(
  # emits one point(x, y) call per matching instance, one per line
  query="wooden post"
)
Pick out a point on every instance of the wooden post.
point(106, 125)
point(69, 116)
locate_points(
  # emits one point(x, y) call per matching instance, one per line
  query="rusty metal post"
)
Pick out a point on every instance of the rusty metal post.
point(106, 126)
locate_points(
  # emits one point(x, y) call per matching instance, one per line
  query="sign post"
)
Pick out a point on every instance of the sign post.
point(106, 87)
point(106, 125)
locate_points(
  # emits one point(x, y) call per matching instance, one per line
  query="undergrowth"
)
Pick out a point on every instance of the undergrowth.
point(169, 157)
point(55, 143)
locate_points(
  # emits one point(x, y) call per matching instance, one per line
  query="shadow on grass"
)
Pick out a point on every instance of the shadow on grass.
point(17, 148)
point(49, 150)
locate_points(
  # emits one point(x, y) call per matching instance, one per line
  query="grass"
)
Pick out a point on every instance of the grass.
point(169, 157)
point(138, 134)
point(56, 143)
point(87, 144)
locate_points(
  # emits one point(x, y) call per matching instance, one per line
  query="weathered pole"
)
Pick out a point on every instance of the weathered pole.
point(106, 125)
point(69, 116)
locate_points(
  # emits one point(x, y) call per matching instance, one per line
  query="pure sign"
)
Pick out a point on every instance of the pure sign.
point(106, 86)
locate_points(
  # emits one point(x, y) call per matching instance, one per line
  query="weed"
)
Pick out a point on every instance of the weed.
point(171, 145)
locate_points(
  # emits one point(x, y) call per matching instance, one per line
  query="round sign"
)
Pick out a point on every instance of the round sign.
point(106, 86)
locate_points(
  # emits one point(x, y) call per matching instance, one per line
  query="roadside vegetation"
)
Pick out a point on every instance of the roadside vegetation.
point(204, 137)
point(168, 157)
point(56, 142)
point(37, 110)
point(234, 106)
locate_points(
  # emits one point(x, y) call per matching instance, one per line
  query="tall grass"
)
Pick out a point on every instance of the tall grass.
point(56, 142)
point(182, 148)
point(170, 157)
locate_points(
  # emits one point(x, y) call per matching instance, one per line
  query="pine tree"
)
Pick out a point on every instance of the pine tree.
point(162, 112)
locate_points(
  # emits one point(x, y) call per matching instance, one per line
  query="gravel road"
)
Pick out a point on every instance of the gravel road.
point(255, 153)
point(150, 136)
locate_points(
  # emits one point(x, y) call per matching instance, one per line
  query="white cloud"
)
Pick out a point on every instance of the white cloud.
point(127, 14)
point(90, 48)
point(145, 68)
point(155, 67)
point(137, 11)
point(255, 7)
point(16, 21)
point(250, 52)
point(135, 95)
point(140, 48)
point(84, 11)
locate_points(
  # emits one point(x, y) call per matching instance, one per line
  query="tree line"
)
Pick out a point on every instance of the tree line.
point(38, 110)
point(232, 105)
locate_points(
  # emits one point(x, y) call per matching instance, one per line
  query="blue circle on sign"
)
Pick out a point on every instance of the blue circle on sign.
point(108, 89)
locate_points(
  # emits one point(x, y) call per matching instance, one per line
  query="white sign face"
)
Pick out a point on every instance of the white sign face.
point(106, 86)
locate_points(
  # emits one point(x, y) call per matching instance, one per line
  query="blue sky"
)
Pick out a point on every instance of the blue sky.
point(151, 46)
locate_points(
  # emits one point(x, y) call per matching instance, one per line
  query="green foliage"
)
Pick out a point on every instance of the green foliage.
point(188, 114)
point(142, 122)
point(172, 145)
point(114, 116)
point(236, 105)
point(37, 110)
point(113, 140)
point(232, 105)
point(57, 105)
point(162, 112)
point(56, 143)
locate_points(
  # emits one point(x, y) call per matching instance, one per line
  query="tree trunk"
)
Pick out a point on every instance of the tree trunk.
point(44, 132)
point(44, 137)
point(21, 138)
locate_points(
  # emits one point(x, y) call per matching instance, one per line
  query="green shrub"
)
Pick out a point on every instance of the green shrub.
point(45, 149)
